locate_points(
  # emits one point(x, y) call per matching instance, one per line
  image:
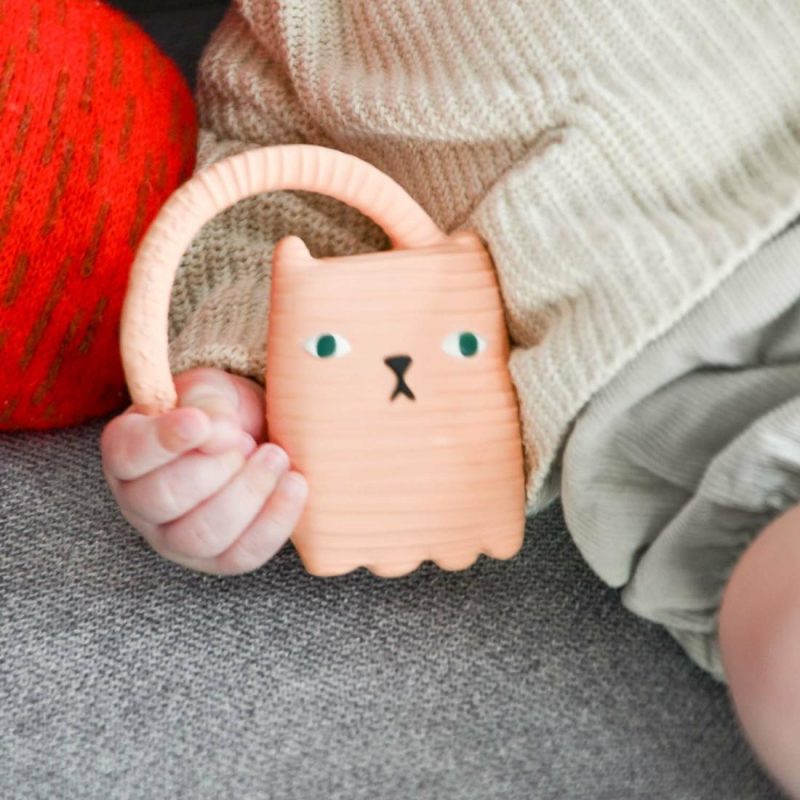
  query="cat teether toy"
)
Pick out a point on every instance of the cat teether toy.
point(387, 379)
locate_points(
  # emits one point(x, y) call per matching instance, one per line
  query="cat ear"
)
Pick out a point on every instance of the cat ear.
point(291, 255)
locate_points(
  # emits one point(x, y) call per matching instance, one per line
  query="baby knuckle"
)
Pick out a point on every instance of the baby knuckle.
point(193, 537)
point(295, 488)
point(191, 377)
point(113, 447)
point(168, 498)
point(240, 559)
point(261, 482)
point(197, 373)
point(137, 523)
point(278, 522)
point(293, 491)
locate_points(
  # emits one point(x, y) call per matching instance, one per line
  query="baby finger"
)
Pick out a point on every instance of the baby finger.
point(175, 489)
point(217, 523)
point(269, 531)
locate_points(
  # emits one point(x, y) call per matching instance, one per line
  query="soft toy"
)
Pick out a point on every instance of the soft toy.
point(387, 378)
point(97, 128)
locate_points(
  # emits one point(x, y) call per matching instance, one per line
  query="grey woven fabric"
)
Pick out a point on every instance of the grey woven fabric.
point(124, 677)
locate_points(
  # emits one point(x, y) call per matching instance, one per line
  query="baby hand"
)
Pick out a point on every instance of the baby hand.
point(194, 482)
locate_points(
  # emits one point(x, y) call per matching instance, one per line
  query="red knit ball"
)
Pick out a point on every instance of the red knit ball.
point(97, 128)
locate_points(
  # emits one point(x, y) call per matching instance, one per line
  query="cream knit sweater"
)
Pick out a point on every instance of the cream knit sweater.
point(619, 157)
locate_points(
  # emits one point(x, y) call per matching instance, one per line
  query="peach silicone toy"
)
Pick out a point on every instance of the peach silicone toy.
point(387, 379)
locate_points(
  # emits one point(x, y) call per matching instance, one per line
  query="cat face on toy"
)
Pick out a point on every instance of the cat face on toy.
point(400, 334)
point(459, 344)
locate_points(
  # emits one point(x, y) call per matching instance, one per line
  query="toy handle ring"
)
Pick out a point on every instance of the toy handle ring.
point(144, 321)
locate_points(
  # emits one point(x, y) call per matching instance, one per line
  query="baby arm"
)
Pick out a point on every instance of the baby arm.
point(199, 482)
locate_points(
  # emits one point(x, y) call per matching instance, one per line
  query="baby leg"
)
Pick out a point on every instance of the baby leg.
point(759, 632)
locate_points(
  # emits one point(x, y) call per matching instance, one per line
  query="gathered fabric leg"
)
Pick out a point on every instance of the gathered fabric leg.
point(676, 466)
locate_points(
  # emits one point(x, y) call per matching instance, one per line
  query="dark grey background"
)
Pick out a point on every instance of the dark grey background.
point(122, 676)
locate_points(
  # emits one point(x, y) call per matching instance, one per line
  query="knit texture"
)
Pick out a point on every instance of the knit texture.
point(97, 128)
point(619, 158)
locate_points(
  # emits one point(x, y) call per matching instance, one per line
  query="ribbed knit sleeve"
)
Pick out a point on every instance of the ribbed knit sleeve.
point(619, 157)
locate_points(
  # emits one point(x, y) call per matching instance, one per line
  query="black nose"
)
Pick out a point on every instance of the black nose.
point(399, 365)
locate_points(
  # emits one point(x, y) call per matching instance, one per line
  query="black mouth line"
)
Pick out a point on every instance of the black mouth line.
point(403, 388)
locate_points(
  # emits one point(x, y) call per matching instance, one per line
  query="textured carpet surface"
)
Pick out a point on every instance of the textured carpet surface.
point(123, 676)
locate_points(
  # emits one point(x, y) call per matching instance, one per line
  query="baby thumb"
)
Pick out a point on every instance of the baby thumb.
point(215, 395)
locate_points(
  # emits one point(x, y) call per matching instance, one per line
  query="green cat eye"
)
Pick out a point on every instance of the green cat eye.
point(463, 344)
point(468, 344)
point(327, 345)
